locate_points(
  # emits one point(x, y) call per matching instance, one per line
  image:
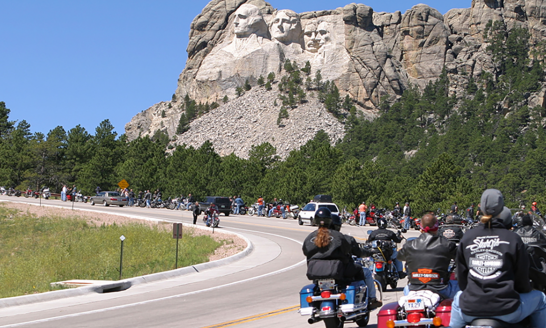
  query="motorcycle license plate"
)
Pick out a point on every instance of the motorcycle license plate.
point(414, 304)
point(326, 283)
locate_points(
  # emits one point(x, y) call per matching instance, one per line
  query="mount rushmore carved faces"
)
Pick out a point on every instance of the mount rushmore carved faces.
point(286, 27)
point(316, 35)
point(249, 20)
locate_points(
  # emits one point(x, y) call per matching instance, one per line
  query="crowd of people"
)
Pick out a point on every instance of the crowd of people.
point(493, 264)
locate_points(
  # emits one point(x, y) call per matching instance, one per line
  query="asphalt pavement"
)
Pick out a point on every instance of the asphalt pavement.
point(256, 288)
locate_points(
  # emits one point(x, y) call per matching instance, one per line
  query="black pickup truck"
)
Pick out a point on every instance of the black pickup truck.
point(223, 204)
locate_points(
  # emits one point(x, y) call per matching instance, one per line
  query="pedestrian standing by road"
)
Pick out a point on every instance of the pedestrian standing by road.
point(148, 197)
point(240, 203)
point(97, 190)
point(196, 212)
point(131, 198)
point(260, 206)
point(63, 193)
point(407, 216)
point(362, 209)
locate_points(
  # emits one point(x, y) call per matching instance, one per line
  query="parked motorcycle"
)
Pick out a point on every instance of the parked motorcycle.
point(46, 193)
point(393, 221)
point(292, 212)
point(253, 209)
point(334, 303)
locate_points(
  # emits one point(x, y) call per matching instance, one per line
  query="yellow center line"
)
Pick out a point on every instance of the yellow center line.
point(255, 317)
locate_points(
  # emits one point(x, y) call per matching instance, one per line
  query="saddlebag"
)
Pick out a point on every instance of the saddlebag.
point(325, 269)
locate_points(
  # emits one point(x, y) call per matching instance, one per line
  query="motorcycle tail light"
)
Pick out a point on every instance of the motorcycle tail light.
point(437, 321)
point(379, 265)
point(390, 262)
point(326, 309)
point(309, 299)
point(325, 294)
point(414, 317)
point(390, 324)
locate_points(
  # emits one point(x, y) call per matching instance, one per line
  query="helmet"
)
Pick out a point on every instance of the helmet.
point(534, 203)
point(323, 217)
point(396, 203)
point(382, 223)
point(336, 222)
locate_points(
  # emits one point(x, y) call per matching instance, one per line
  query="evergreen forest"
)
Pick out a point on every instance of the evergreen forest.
point(430, 148)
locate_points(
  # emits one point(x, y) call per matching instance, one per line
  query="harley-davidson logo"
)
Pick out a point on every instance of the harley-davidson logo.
point(485, 263)
point(425, 275)
point(449, 233)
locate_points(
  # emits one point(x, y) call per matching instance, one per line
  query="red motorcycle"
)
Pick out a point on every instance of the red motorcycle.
point(371, 217)
point(277, 211)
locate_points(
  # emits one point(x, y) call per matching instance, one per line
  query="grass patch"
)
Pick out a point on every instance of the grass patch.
point(37, 251)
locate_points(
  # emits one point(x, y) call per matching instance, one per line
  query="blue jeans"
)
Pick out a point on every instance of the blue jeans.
point(131, 201)
point(406, 222)
point(368, 279)
point(63, 196)
point(237, 209)
point(450, 291)
point(148, 203)
point(260, 210)
point(532, 304)
point(397, 264)
point(283, 212)
point(362, 218)
point(188, 206)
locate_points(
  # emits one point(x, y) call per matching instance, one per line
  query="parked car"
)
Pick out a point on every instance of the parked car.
point(223, 204)
point(107, 198)
point(307, 214)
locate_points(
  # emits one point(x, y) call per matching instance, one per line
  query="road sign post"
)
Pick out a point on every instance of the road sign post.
point(122, 238)
point(177, 234)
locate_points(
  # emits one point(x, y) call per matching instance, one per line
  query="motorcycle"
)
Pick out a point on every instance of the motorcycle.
point(370, 218)
point(211, 219)
point(292, 211)
point(46, 193)
point(418, 309)
point(277, 210)
point(393, 221)
point(352, 220)
point(242, 210)
point(253, 209)
point(335, 303)
point(384, 269)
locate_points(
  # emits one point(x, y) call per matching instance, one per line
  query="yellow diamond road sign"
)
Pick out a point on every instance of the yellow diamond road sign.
point(123, 184)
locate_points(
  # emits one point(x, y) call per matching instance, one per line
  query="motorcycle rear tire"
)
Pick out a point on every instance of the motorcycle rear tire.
point(352, 222)
point(300, 222)
point(381, 279)
point(363, 321)
point(393, 284)
point(333, 323)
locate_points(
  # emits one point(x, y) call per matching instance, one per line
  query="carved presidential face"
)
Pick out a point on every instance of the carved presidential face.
point(248, 20)
point(315, 37)
point(286, 27)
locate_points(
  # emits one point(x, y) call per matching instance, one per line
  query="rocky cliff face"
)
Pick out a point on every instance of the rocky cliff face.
point(370, 56)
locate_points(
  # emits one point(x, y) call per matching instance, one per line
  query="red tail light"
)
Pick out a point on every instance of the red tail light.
point(379, 265)
point(325, 294)
point(414, 317)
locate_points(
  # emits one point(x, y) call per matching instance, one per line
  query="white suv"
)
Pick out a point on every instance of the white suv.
point(307, 214)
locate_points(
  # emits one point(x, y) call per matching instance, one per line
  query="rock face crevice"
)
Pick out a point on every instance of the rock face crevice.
point(369, 55)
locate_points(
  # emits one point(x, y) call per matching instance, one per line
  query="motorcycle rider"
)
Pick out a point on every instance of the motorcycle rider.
point(528, 233)
point(329, 253)
point(396, 210)
point(535, 210)
point(428, 258)
point(493, 270)
point(260, 202)
point(382, 233)
point(196, 212)
point(190, 202)
point(470, 213)
point(210, 211)
point(407, 216)
point(148, 198)
point(454, 208)
point(450, 230)
point(359, 252)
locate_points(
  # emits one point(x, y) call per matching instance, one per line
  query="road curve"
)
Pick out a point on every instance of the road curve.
point(260, 290)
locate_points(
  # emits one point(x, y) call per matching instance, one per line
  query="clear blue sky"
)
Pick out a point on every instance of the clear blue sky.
point(70, 62)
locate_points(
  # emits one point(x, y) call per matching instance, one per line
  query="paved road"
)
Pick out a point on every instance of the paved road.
point(260, 290)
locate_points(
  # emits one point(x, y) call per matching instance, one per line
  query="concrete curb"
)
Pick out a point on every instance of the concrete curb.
point(127, 283)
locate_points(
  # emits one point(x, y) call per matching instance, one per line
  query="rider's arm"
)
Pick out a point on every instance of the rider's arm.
point(401, 256)
point(521, 269)
point(396, 238)
point(462, 268)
